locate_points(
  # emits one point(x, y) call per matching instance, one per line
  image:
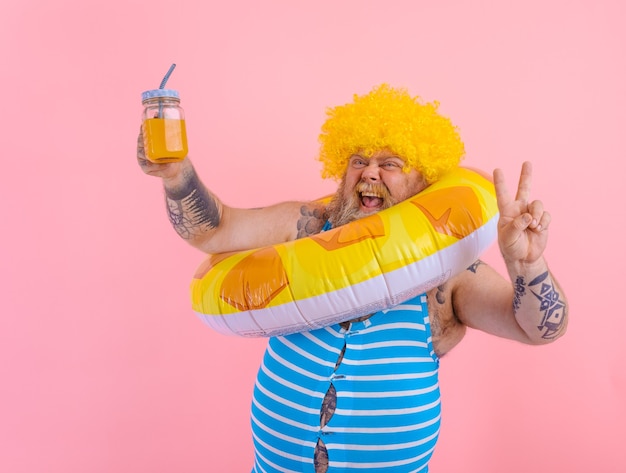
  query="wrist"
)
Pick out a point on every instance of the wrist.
point(182, 182)
point(526, 269)
point(177, 174)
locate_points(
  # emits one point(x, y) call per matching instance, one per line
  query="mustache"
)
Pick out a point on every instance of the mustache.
point(377, 190)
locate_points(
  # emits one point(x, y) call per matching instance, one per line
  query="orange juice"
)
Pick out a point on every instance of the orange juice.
point(165, 139)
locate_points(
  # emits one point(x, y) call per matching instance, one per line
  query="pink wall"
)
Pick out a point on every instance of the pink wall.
point(104, 368)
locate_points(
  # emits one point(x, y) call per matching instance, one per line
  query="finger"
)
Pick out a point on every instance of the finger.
point(513, 230)
point(143, 162)
point(535, 209)
point(141, 152)
point(544, 223)
point(525, 180)
point(522, 222)
point(502, 193)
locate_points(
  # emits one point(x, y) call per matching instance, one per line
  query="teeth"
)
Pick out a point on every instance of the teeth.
point(371, 191)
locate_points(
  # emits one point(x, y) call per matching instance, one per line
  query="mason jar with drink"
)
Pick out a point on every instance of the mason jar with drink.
point(163, 124)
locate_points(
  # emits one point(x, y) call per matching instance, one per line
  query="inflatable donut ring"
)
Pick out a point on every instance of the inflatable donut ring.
point(360, 268)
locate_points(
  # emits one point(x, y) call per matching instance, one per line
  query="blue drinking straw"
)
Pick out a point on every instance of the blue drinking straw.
point(163, 82)
point(167, 76)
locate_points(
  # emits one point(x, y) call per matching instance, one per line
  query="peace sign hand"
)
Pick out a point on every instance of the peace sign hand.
point(523, 225)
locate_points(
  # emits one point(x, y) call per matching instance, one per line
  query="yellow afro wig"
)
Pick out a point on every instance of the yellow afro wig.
point(389, 118)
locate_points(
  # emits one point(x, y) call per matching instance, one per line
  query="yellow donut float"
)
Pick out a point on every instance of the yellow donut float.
point(360, 268)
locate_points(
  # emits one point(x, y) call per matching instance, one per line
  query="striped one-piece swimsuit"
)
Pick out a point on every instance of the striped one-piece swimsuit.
point(387, 414)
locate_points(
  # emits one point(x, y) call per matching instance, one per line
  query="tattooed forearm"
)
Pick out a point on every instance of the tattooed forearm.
point(519, 289)
point(191, 208)
point(551, 305)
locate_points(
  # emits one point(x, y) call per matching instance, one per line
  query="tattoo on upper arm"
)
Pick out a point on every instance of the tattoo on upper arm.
point(553, 308)
point(474, 266)
point(311, 221)
point(191, 208)
point(440, 295)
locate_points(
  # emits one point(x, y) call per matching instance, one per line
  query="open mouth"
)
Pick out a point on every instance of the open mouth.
point(372, 197)
point(371, 200)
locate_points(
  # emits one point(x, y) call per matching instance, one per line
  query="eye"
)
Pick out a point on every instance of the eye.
point(358, 162)
point(391, 165)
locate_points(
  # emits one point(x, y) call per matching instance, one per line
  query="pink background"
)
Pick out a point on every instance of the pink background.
point(103, 366)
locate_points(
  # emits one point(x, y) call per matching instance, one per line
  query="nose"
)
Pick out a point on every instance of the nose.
point(371, 173)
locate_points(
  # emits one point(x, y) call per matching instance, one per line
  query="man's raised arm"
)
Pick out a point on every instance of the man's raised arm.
point(206, 223)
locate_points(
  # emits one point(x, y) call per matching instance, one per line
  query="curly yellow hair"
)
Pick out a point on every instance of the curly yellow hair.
point(389, 118)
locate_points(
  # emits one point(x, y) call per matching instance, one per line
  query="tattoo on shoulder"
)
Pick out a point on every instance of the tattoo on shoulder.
point(474, 266)
point(191, 208)
point(311, 220)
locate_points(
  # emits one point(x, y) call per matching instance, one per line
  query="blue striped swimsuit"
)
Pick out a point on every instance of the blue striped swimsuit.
point(388, 404)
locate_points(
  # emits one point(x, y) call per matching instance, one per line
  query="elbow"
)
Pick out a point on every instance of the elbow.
point(552, 328)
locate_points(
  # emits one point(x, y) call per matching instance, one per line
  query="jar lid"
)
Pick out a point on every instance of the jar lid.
point(157, 93)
